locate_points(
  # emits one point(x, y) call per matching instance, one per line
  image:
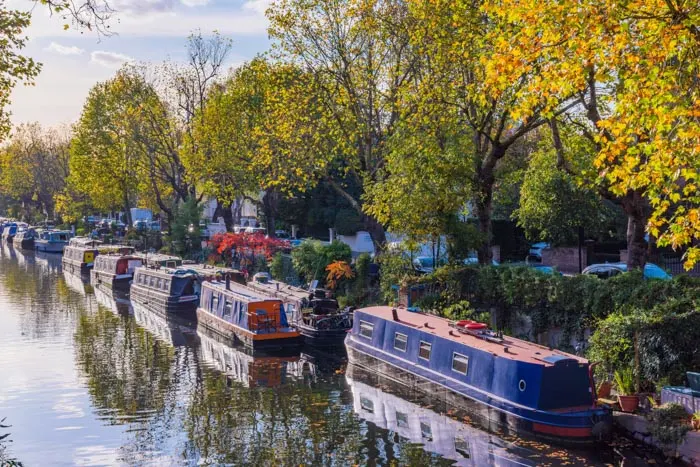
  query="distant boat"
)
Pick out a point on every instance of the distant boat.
point(248, 318)
point(25, 239)
point(114, 271)
point(9, 232)
point(80, 253)
point(521, 386)
point(51, 241)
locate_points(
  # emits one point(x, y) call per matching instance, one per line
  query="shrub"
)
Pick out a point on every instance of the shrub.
point(311, 258)
point(669, 424)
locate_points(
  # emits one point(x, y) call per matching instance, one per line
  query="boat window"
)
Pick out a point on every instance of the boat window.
point(166, 285)
point(366, 329)
point(153, 281)
point(522, 386)
point(400, 341)
point(228, 307)
point(462, 447)
point(367, 404)
point(424, 350)
point(159, 283)
point(214, 302)
point(426, 432)
point(401, 419)
point(460, 363)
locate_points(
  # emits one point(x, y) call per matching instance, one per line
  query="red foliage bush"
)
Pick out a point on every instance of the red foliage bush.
point(246, 245)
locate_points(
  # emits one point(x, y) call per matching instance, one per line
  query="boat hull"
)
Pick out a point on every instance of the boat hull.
point(164, 305)
point(76, 268)
point(581, 428)
point(323, 337)
point(49, 247)
point(234, 335)
point(111, 281)
point(25, 244)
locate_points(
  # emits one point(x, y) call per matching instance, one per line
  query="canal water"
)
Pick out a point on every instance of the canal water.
point(85, 379)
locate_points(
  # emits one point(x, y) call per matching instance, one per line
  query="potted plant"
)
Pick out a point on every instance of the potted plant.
point(624, 380)
point(695, 421)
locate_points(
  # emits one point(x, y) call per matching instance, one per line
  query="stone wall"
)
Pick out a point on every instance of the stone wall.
point(565, 259)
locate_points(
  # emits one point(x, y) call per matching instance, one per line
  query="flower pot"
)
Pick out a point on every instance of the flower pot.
point(628, 403)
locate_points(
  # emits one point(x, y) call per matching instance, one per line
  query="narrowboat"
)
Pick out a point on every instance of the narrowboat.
point(9, 232)
point(114, 271)
point(311, 312)
point(174, 291)
point(25, 239)
point(247, 318)
point(524, 388)
point(463, 444)
point(79, 255)
point(246, 368)
point(158, 260)
point(51, 241)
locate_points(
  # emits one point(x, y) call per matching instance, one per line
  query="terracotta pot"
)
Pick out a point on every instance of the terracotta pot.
point(628, 403)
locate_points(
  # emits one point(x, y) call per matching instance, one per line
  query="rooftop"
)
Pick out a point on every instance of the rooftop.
point(510, 347)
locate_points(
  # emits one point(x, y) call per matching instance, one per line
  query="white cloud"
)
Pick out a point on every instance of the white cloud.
point(193, 3)
point(64, 50)
point(258, 6)
point(109, 59)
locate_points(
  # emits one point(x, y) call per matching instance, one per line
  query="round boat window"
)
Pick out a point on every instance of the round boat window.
point(522, 385)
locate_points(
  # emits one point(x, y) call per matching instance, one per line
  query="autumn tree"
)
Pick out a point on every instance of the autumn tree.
point(634, 66)
point(360, 55)
point(105, 151)
point(34, 168)
point(260, 132)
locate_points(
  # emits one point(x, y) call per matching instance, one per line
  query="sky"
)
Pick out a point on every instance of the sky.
point(144, 31)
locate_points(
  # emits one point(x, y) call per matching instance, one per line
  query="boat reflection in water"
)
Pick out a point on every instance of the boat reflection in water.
point(173, 331)
point(49, 262)
point(78, 283)
point(25, 258)
point(440, 434)
point(116, 301)
point(253, 369)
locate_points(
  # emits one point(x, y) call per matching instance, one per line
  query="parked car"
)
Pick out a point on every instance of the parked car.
point(282, 234)
point(535, 252)
point(606, 270)
point(426, 264)
point(252, 230)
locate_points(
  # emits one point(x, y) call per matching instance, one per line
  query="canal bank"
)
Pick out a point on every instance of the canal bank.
point(90, 382)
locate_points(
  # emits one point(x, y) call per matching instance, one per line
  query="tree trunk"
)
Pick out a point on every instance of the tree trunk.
point(237, 212)
point(376, 231)
point(635, 206)
point(227, 214)
point(270, 200)
point(484, 212)
point(127, 210)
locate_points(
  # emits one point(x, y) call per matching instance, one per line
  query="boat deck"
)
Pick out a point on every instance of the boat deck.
point(509, 348)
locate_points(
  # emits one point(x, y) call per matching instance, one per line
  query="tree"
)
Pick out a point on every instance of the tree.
point(634, 66)
point(259, 133)
point(360, 56)
point(34, 168)
point(105, 150)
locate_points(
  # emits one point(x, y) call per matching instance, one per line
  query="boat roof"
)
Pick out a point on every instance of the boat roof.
point(517, 349)
point(279, 289)
point(241, 292)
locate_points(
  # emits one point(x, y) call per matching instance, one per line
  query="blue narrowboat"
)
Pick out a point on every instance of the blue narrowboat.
point(247, 318)
point(51, 241)
point(9, 232)
point(518, 386)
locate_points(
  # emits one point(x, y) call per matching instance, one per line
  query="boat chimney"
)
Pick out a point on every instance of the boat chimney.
point(228, 282)
point(394, 314)
point(277, 284)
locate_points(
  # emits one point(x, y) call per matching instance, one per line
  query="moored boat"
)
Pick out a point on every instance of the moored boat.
point(522, 387)
point(174, 291)
point(9, 232)
point(51, 241)
point(247, 318)
point(317, 317)
point(114, 271)
point(80, 253)
point(25, 239)
point(166, 292)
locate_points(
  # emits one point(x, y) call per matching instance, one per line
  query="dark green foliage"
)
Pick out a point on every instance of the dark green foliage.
point(185, 233)
point(669, 423)
point(311, 258)
point(396, 269)
point(282, 269)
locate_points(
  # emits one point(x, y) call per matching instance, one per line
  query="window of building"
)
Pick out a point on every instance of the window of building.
point(366, 329)
point(460, 363)
point(462, 447)
point(424, 350)
point(401, 419)
point(400, 341)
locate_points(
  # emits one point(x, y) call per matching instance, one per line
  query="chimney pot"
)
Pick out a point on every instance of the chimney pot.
point(394, 314)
